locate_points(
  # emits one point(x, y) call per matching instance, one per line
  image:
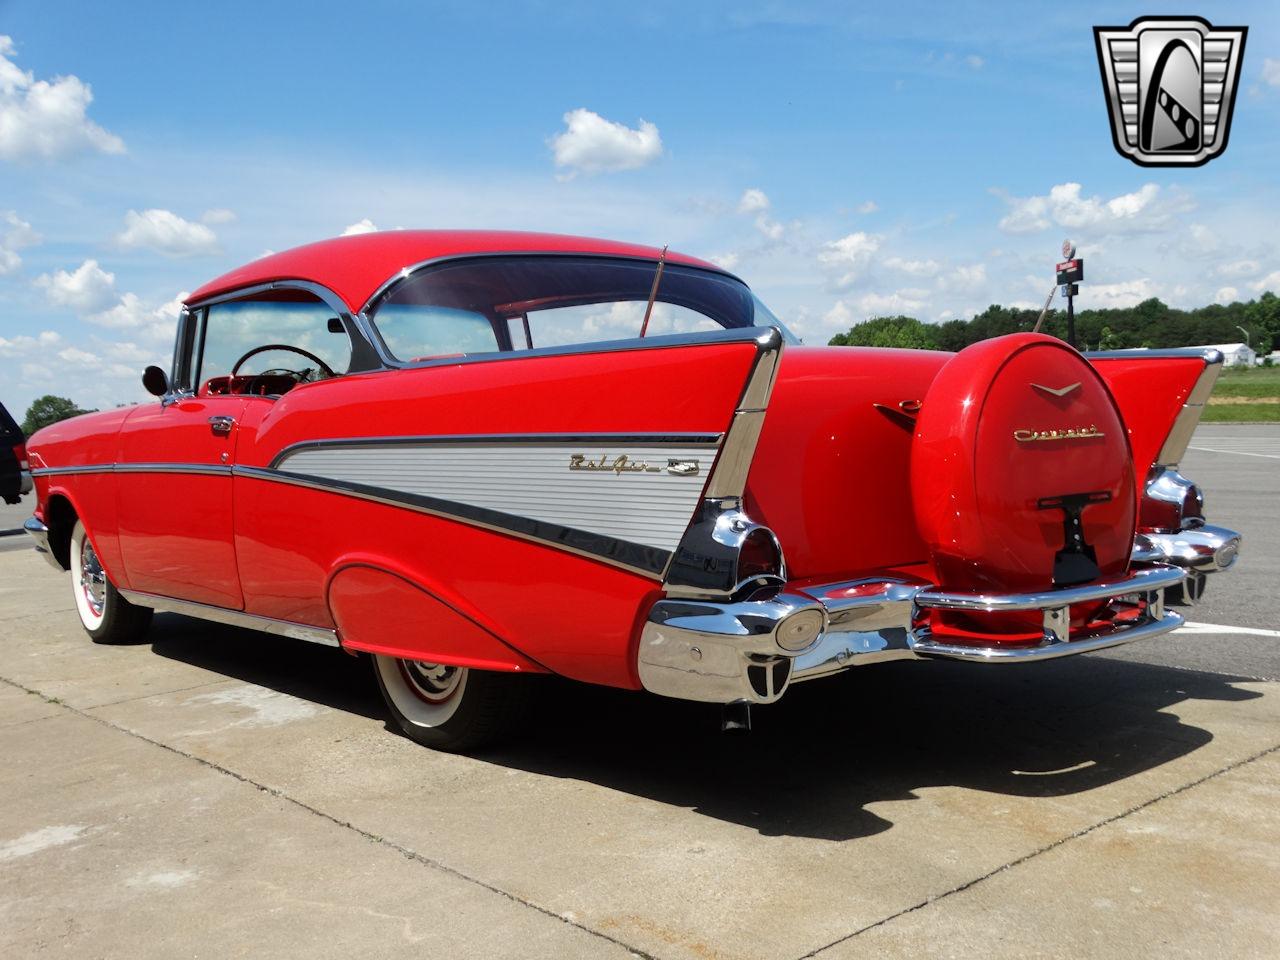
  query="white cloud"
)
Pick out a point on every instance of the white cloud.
point(86, 289)
point(974, 61)
point(908, 300)
point(1270, 282)
point(1271, 72)
point(916, 268)
point(22, 343)
point(132, 313)
point(753, 201)
point(167, 233)
point(45, 119)
point(970, 277)
point(17, 233)
point(1128, 293)
point(851, 253)
point(1226, 295)
point(1239, 268)
point(725, 260)
point(218, 215)
point(360, 226)
point(868, 206)
point(591, 144)
point(78, 357)
point(1064, 206)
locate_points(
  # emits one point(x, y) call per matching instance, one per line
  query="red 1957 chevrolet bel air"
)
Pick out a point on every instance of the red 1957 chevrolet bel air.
point(477, 455)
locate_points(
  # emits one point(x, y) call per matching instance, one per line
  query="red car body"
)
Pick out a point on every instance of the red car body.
point(742, 511)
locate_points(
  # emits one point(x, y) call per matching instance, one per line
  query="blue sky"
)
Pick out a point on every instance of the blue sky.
point(846, 160)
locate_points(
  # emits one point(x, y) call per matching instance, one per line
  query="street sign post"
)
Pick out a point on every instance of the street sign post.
point(1070, 273)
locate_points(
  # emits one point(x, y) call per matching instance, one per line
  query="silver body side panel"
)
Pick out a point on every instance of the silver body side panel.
point(650, 506)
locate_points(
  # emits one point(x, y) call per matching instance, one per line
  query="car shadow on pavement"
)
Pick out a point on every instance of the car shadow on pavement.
point(323, 675)
point(816, 760)
point(830, 748)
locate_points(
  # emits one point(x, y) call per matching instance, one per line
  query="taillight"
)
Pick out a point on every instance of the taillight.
point(759, 556)
point(20, 454)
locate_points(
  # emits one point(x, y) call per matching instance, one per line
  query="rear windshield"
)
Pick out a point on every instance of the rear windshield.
point(521, 303)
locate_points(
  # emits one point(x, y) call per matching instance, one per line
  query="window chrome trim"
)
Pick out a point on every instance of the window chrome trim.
point(634, 557)
point(365, 315)
point(711, 440)
point(361, 343)
point(234, 618)
point(404, 273)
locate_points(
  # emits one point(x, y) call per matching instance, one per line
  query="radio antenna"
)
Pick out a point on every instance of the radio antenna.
point(1047, 300)
point(653, 292)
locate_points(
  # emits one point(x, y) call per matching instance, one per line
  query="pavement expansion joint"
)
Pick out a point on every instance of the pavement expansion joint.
point(1084, 831)
point(404, 851)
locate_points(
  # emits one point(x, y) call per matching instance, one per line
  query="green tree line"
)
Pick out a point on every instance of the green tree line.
point(1151, 323)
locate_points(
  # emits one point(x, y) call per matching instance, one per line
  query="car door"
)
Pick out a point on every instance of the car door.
point(173, 488)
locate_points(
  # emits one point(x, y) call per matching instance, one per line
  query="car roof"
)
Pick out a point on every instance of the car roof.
point(356, 267)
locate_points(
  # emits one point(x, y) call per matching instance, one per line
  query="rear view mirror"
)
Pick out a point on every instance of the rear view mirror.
point(335, 325)
point(156, 381)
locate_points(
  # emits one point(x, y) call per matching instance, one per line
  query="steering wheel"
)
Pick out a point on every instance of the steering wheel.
point(324, 367)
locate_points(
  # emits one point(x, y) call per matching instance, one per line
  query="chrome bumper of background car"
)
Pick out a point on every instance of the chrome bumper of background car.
point(40, 534)
point(726, 652)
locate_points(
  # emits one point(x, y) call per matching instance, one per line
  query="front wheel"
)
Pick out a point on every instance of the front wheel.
point(105, 615)
point(455, 709)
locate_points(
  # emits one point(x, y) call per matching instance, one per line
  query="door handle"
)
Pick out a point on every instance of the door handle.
point(222, 425)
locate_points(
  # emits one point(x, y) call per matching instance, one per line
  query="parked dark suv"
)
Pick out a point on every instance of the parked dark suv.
point(15, 474)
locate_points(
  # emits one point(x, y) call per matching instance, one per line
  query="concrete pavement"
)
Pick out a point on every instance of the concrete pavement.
point(218, 793)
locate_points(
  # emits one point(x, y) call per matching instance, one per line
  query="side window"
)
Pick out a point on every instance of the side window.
point(596, 322)
point(269, 346)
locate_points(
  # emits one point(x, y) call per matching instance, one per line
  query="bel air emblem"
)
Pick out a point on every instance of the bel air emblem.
point(624, 464)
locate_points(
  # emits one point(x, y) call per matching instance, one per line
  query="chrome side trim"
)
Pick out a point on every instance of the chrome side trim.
point(234, 618)
point(59, 471)
point(1170, 353)
point(212, 469)
point(710, 440)
point(633, 557)
point(40, 534)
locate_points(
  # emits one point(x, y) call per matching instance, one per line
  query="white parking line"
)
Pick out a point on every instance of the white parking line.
point(1191, 627)
point(1245, 446)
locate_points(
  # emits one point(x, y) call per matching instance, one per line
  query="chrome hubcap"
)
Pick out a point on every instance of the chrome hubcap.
point(93, 580)
point(432, 682)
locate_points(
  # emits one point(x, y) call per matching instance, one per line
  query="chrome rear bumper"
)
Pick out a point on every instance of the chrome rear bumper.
point(723, 652)
point(1199, 551)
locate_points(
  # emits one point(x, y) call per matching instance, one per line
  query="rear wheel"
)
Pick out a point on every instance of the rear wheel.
point(450, 708)
point(105, 615)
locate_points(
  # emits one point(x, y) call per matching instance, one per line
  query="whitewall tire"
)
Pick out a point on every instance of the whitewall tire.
point(105, 615)
point(447, 707)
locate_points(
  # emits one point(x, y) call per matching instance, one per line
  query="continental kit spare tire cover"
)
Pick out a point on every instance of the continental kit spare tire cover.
point(1016, 436)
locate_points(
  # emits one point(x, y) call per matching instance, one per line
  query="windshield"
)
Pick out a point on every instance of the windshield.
point(526, 302)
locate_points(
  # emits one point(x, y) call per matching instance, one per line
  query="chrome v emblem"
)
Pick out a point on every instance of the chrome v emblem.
point(1061, 392)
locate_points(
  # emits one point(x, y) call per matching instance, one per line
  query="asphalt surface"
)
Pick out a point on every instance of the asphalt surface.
point(219, 793)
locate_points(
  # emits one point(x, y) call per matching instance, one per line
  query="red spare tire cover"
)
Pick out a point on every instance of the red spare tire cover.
point(1008, 426)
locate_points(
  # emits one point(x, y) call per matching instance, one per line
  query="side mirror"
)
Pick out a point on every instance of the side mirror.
point(156, 381)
